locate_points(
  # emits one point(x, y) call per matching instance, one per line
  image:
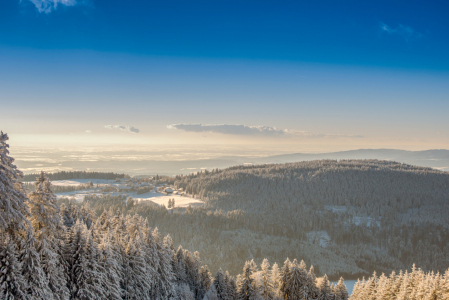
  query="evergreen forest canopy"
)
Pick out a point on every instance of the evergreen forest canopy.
point(48, 252)
point(67, 252)
point(380, 215)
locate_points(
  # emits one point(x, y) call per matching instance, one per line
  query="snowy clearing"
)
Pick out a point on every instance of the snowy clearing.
point(162, 199)
point(319, 237)
point(77, 182)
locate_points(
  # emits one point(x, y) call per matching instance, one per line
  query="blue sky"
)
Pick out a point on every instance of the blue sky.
point(405, 34)
point(337, 74)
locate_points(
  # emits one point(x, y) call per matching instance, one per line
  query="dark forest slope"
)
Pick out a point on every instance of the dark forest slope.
point(385, 215)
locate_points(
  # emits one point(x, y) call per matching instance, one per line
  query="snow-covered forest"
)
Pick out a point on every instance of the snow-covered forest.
point(347, 218)
point(380, 215)
point(415, 284)
point(52, 253)
point(109, 247)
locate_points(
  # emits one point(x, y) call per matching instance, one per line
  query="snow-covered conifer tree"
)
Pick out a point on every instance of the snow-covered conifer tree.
point(165, 284)
point(313, 289)
point(86, 282)
point(44, 209)
point(283, 281)
point(192, 265)
point(232, 286)
point(211, 294)
point(12, 283)
point(246, 287)
point(180, 264)
point(152, 261)
point(112, 270)
point(35, 278)
point(275, 279)
point(297, 284)
point(13, 208)
point(48, 230)
point(137, 284)
point(205, 278)
point(266, 286)
point(220, 285)
point(325, 289)
point(340, 290)
point(183, 292)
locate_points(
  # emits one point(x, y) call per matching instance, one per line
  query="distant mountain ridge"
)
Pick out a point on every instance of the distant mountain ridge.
point(435, 158)
point(104, 162)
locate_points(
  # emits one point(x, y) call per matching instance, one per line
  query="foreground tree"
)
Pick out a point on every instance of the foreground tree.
point(246, 289)
point(13, 208)
point(35, 278)
point(48, 226)
point(12, 283)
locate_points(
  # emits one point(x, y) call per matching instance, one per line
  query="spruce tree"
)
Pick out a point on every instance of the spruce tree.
point(297, 284)
point(48, 229)
point(12, 283)
point(284, 278)
point(165, 278)
point(152, 261)
point(13, 208)
point(246, 289)
point(313, 289)
point(266, 286)
point(205, 278)
point(325, 289)
point(112, 270)
point(137, 284)
point(275, 279)
point(220, 285)
point(86, 282)
point(35, 278)
point(341, 291)
point(180, 264)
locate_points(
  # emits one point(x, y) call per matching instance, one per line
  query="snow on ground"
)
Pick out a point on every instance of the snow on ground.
point(76, 182)
point(336, 208)
point(319, 237)
point(77, 195)
point(162, 199)
point(158, 198)
point(365, 221)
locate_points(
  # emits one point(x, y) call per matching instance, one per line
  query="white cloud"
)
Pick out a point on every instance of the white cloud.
point(406, 32)
point(123, 128)
point(48, 6)
point(253, 130)
point(88, 131)
point(229, 129)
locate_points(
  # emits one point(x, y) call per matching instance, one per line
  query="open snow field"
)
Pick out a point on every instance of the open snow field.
point(162, 199)
point(77, 182)
point(158, 198)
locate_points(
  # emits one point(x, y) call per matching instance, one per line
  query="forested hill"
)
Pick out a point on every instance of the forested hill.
point(64, 175)
point(384, 214)
point(366, 188)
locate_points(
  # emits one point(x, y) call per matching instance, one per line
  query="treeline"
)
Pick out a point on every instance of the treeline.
point(29, 187)
point(64, 175)
point(383, 215)
point(414, 285)
point(52, 253)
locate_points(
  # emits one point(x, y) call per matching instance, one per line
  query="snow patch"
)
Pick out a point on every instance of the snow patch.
point(319, 237)
point(162, 199)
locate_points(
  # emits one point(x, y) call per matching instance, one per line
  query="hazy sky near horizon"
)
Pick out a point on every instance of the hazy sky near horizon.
point(305, 76)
